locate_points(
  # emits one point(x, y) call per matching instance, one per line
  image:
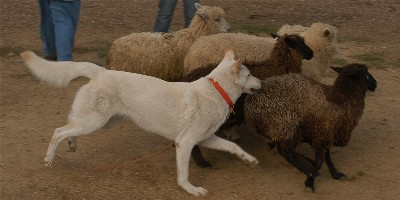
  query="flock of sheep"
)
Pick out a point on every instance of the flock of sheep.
point(292, 107)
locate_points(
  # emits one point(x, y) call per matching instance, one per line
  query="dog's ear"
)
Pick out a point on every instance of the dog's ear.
point(236, 66)
point(229, 55)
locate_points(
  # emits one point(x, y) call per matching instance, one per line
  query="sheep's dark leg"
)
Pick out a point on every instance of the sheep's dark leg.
point(309, 159)
point(332, 169)
point(319, 160)
point(199, 159)
point(271, 145)
point(297, 160)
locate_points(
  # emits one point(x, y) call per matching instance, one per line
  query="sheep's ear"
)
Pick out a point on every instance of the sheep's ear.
point(236, 66)
point(229, 55)
point(326, 32)
point(337, 69)
point(201, 14)
point(275, 36)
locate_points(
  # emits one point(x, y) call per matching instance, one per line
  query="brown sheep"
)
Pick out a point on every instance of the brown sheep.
point(292, 109)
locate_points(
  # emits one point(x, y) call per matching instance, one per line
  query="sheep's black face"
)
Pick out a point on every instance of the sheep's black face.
point(360, 72)
point(297, 42)
point(371, 82)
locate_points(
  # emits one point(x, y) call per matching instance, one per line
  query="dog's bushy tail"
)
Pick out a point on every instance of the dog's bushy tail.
point(59, 73)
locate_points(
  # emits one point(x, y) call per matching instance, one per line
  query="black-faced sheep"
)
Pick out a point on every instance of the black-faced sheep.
point(161, 54)
point(320, 37)
point(286, 57)
point(291, 109)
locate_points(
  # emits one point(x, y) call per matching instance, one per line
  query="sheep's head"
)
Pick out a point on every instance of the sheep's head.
point(214, 17)
point(358, 72)
point(296, 43)
point(329, 33)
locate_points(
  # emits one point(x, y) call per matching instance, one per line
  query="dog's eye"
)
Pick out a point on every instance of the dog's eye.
point(216, 20)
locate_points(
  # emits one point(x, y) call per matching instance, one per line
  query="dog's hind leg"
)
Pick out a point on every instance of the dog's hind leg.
point(72, 143)
point(75, 127)
point(215, 142)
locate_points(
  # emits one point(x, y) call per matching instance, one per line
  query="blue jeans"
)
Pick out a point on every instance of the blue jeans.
point(166, 11)
point(58, 24)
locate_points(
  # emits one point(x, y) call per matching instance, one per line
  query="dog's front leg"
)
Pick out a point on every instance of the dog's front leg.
point(183, 148)
point(215, 142)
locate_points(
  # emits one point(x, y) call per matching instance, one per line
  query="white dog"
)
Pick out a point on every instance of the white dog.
point(188, 113)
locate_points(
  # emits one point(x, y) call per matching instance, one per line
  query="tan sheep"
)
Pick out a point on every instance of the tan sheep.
point(253, 49)
point(204, 51)
point(161, 54)
point(322, 38)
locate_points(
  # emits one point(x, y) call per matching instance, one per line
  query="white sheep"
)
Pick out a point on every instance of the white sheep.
point(208, 50)
point(161, 54)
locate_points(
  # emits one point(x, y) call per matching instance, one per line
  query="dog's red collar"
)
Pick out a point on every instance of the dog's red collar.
point(224, 95)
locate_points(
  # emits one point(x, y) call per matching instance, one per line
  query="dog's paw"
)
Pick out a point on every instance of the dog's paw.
point(72, 146)
point(198, 191)
point(253, 162)
point(250, 159)
point(48, 160)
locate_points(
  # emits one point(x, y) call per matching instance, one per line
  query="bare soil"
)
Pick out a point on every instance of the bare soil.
point(103, 167)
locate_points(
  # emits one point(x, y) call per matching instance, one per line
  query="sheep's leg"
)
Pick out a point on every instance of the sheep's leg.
point(309, 159)
point(295, 159)
point(199, 159)
point(271, 145)
point(299, 161)
point(319, 160)
point(332, 169)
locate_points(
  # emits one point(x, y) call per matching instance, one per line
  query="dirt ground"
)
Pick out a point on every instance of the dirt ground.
point(103, 167)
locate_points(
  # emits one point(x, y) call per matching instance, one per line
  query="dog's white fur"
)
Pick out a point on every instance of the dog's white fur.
point(188, 113)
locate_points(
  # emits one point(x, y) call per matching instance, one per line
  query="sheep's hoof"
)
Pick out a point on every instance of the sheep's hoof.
point(204, 164)
point(309, 183)
point(271, 145)
point(339, 176)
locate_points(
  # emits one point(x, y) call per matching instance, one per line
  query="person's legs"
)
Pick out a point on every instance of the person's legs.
point(47, 34)
point(189, 11)
point(65, 19)
point(164, 17)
